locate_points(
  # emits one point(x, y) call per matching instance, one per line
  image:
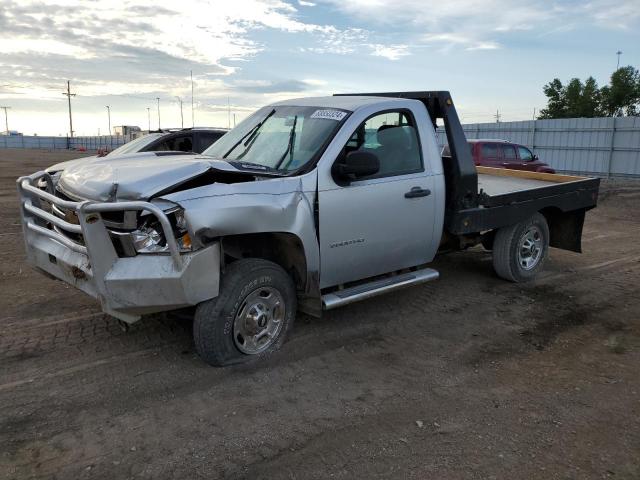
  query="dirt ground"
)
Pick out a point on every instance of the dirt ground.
point(467, 377)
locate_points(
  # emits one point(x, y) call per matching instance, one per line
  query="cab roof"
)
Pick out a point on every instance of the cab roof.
point(347, 102)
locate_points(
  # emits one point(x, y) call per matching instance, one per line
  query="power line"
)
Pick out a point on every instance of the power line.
point(69, 95)
point(6, 118)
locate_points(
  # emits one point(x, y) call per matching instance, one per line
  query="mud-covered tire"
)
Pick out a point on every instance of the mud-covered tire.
point(513, 260)
point(213, 325)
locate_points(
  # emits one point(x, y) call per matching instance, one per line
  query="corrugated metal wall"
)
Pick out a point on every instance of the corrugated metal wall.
point(90, 143)
point(597, 146)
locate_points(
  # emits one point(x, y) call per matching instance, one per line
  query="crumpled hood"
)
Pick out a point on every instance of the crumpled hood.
point(58, 167)
point(133, 177)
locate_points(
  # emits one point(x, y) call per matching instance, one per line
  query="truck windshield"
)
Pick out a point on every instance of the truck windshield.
point(281, 138)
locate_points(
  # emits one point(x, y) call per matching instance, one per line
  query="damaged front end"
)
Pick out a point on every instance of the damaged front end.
point(135, 257)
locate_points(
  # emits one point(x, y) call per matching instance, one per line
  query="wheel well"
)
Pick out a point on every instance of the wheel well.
point(565, 228)
point(284, 249)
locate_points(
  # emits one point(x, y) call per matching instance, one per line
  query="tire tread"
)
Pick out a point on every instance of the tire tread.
point(209, 340)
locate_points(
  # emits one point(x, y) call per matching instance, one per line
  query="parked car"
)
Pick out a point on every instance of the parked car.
point(195, 140)
point(189, 140)
point(504, 154)
point(307, 205)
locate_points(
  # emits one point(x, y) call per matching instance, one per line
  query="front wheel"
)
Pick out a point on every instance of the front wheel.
point(250, 317)
point(520, 250)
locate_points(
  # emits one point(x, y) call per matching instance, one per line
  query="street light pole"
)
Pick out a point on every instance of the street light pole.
point(148, 119)
point(181, 117)
point(6, 119)
point(618, 53)
point(158, 99)
point(109, 117)
point(193, 118)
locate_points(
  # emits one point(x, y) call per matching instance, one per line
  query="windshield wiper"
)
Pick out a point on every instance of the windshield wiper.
point(292, 140)
point(252, 166)
point(251, 134)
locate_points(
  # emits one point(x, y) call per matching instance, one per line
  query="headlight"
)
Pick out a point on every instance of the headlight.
point(55, 176)
point(149, 238)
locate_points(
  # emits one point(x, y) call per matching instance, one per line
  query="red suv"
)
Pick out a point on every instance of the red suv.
point(503, 154)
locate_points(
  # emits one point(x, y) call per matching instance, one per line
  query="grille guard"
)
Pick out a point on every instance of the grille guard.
point(36, 219)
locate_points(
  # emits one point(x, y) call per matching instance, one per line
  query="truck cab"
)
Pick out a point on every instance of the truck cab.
point(308, 204)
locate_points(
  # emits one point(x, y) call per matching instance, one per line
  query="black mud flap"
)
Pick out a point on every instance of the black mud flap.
point(565, 229)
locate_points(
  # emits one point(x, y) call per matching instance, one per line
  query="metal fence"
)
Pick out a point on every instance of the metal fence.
point(58, 143)
point(597, 146)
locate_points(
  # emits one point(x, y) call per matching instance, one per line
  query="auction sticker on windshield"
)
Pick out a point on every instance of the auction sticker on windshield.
point(336, 115)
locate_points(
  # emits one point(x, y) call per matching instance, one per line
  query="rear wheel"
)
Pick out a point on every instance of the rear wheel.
point(519, 251)
point(250, 317)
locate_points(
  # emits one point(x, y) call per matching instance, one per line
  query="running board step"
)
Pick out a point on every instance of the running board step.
point(377, 287)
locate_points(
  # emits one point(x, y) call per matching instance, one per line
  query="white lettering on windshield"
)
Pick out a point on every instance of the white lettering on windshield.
point(336, 115)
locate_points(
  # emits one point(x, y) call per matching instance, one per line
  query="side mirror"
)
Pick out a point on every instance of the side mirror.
point(535, 157)
point(356, 165)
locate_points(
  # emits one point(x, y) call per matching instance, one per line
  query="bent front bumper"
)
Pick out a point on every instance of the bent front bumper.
point(126, 287)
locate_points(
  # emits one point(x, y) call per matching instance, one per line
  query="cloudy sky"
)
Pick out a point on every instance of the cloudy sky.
point(491, 54)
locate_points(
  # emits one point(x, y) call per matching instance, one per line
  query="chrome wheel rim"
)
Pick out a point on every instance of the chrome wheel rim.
point(259, 320)
point(530, 248)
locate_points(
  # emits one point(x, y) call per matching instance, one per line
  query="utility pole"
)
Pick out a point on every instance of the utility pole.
point(109, 116)
point(181, 117)
point(228, 113)
point(534, 113)
point(158, 99)
point(148, 119)
point(6, 119)
point(497, 116)
point(69, 95)
point(618, 53)
point(193, 122)
point(234, 120)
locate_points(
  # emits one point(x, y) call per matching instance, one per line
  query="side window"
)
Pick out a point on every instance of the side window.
point(159, 147)
point(393, 137)
point(509, 152)
point(183, 144)
point(205, 139)
point(180, 143)
point(525, 154)
point(489, 150)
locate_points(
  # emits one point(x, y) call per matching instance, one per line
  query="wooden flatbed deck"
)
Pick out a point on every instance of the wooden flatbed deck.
point(509, 196)
point(503, 182)
point(494, 185)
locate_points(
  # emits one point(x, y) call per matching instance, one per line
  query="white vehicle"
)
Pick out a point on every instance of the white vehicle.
point(309, 204)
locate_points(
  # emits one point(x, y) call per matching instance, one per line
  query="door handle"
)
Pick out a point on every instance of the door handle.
point(416, 192)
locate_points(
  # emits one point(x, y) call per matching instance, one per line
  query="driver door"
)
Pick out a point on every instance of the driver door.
point(384, 222)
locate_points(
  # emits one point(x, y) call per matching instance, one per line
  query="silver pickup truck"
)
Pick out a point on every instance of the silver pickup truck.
point(308, 204)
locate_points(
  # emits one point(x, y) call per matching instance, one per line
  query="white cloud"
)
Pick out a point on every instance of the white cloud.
point(621, 15)
point(306, 4)
point(447, 40)
point(479, 25)
point(391, 52)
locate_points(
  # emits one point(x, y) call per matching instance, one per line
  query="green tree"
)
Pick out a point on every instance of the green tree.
point(622, 95)
point(556, 103)
point(577, 99)
point(590, 100)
